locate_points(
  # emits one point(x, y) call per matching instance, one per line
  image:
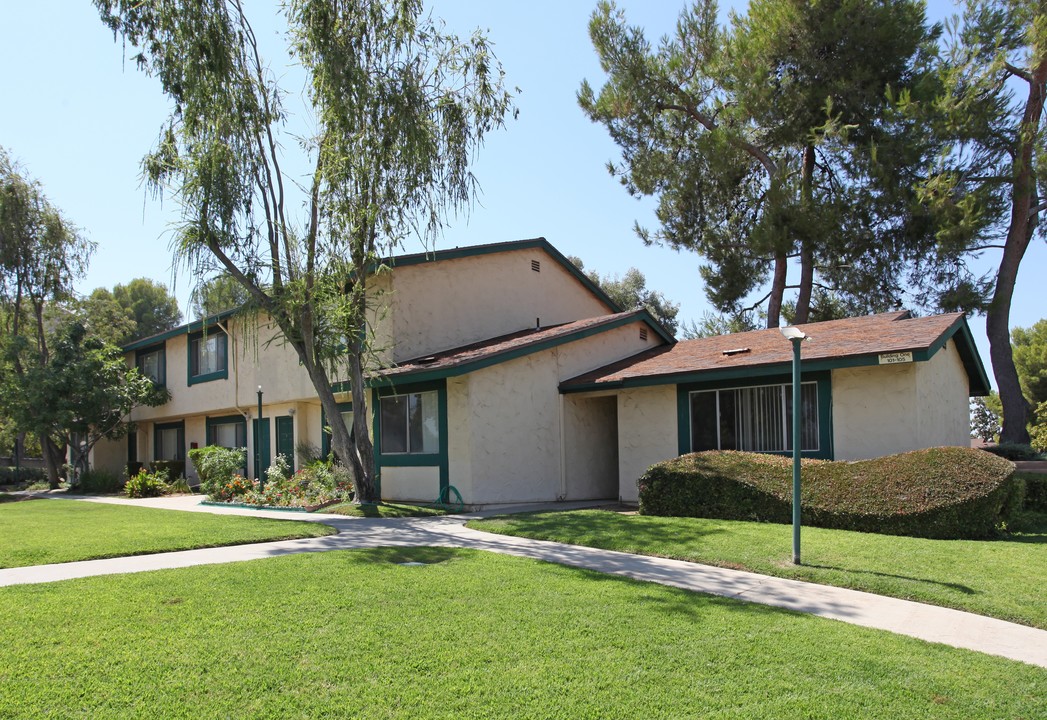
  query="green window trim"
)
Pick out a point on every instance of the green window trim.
point(822, 378)
point(439, 459)
point(160, 427)
point(211, 422)
point(193, 361)
point(161, 351)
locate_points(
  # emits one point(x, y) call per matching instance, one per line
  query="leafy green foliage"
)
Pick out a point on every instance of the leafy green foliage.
point(99, 481)
point(1030, 360)
point(1013, 451)
point(10, 475)
point(945, 492)
point(1035, 491)
point(630, 292)
point(216, 466)
point(985, 183)
point(773, 138)
point(92, 531)
point(217, 294)
point(400, 107)
point(146, 485)
point(42, 255)
point(985, 417)
point(139, 309)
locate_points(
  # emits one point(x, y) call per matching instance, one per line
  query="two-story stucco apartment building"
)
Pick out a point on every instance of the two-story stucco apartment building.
point(503, 371)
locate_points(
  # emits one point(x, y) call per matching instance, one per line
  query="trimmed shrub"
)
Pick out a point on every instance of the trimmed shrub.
point(1035, 491)
point(947, 492)
point(8, 476)
point(1013, 451)
point(100, 481)
point(144, 485)
point(216, 466)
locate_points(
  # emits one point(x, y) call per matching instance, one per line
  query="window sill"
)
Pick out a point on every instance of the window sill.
point(196, 379)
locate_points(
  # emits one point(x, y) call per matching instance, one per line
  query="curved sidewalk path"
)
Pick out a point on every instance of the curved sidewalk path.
point(927, 622)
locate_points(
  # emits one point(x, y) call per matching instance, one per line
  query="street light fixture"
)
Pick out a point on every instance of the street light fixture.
point(796, 336)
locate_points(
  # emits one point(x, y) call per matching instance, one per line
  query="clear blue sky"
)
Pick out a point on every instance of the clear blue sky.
point(80, 120)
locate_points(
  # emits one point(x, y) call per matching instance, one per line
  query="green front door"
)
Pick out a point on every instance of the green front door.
point(262, 446)
point(285, 439)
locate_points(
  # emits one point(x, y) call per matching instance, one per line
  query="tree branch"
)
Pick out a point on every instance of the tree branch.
point(710, 124)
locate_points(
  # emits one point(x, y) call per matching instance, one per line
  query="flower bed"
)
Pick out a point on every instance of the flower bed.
point(316, 485)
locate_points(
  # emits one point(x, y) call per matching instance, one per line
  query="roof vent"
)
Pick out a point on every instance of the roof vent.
point(536, 265)
point(643, 334)
point(736, 351)
point(428, 360)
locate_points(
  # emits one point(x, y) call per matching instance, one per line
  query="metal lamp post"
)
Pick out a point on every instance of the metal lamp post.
point(258, 443)
point(796, 336)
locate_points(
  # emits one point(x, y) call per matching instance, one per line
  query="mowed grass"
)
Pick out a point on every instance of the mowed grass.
point(1006, 579)
point(472, 635)
point(40, 532)
point(383, 510)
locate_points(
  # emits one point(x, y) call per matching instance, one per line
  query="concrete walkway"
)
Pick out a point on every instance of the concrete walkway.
point(927, 622)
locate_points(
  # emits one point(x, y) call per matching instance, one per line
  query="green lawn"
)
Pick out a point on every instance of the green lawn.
point(38, 532)
point(384, 510)
point(475, 635)
point(1002, 578)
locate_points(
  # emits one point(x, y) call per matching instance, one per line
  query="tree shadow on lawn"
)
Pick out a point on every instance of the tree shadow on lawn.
point(593, 526)
point(966, 590)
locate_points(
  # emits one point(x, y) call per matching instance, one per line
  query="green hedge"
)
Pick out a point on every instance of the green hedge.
point(948, 492)
point(1035, 491)
point(27, 475)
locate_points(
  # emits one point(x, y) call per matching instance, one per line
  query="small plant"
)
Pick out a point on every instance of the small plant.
point(278, 471)
point(232, 491)
point(180, 486)
point(1013, 451)
point(100, 481)
point(146, 484)
point(216, 466)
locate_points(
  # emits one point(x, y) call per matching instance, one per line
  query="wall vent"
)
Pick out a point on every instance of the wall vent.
point(536, 265)
point(643, 334)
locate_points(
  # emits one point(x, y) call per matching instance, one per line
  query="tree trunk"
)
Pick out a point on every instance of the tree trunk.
point(803, 298)
point(774, 301)
point(54, 459)
point(363, 457)
point(1016, 409)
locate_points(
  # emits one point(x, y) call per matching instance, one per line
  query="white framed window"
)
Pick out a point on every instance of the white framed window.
point(410, 424)
point(755, 419)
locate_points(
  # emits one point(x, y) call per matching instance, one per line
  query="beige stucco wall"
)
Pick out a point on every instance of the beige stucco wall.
point(591, 446)
point(417, 484)
point(943, 409)
point(440, 305)
point(886, 409)
point(510, 415)
point(110, 455)
point(647, 433)
point(255, 357)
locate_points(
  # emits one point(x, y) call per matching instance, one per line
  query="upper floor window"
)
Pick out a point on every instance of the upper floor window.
point(208, 356)
point(152, 362)
point(410, 423)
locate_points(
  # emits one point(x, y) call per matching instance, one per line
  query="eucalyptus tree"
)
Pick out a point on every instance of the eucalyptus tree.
point(399, 106)
point(42, 255)
point(988, 183)
point(761, 141)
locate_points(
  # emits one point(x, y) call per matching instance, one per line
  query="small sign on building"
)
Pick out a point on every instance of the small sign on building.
point(895, 358)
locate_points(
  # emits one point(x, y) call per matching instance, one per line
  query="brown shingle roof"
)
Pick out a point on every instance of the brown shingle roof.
point(506, 345)
point(834, 339)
